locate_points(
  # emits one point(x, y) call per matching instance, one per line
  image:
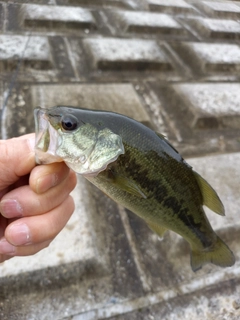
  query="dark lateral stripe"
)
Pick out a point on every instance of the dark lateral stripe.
point(187, 219)
point(140, 175)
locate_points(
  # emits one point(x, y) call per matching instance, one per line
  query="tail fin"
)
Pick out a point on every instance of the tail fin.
point(219, 254)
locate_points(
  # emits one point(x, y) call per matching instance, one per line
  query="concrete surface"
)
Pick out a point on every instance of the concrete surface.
point(172, 6)
point(51, 16)
point(211, 105)
point(212, 57)
point(228, 9)
point(134, 54)
point(147, 22)
point(216, 28)
point(173, 65)
point(32, 50)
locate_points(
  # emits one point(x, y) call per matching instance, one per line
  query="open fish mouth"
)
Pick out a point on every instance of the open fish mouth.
point(86, 149)
point(47, 139)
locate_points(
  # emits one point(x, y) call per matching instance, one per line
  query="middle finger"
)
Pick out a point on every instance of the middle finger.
point(23, 201)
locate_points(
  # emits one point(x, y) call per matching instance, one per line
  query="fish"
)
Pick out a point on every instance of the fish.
point(139, 169)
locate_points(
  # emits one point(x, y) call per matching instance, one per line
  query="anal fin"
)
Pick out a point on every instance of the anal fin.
point(210, 197)
point(159, 230)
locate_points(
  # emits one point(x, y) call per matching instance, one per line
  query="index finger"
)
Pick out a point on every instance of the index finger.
point(17, 159)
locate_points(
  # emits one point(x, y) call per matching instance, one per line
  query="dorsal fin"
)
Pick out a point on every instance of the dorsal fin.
point(161, 136)
point(210, 197)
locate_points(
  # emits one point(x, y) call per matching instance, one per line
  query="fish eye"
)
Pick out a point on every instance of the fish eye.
point(69, 122)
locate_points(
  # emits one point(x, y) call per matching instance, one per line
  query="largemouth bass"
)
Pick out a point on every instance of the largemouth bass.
point(139, 169)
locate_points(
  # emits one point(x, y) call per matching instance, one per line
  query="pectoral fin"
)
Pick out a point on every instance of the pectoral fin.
point(159, 230)
point(129, 186)
point(162, 137)
point(210, 197)
point(124, 184)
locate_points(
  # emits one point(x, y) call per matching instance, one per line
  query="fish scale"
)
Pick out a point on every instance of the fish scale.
point(139, 169)
point(158, 199)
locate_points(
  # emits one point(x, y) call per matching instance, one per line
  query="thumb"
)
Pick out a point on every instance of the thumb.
point(16, 159)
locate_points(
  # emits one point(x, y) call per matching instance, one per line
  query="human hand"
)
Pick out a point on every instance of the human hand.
point(34, 200)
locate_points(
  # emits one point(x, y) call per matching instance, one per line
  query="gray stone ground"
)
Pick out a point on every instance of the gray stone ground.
point(174, 65)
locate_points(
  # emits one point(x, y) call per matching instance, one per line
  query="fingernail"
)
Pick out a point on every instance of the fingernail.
point(19, 234)
point(11, 208)
point(6, 247)
point(46, 182)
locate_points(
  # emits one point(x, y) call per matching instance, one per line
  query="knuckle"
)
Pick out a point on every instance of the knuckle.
point(4, 149)
point(5, 156)
point(72, 179)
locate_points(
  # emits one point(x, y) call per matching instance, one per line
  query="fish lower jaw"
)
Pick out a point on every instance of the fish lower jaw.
point(83, 169)
point(42, 157)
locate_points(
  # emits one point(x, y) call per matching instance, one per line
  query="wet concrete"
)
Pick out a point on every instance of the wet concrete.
point(172, 65)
